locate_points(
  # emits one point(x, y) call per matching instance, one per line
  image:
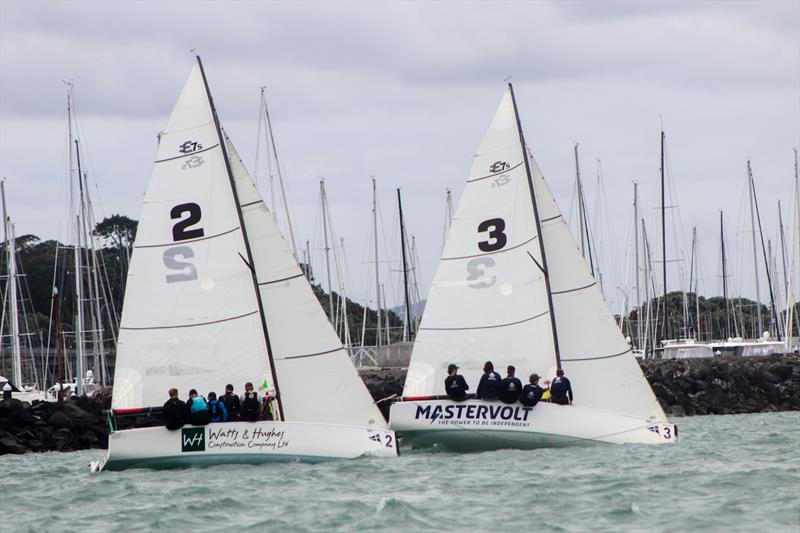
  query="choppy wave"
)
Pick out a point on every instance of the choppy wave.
point(731, 473)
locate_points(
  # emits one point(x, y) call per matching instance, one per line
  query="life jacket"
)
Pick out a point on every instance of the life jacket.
point(214, 409)
point(546, 396)
point(250, 405)
point(198, 404)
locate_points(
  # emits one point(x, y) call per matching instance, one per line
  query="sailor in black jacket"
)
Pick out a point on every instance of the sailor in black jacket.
point(454, 384)
point(489, 386)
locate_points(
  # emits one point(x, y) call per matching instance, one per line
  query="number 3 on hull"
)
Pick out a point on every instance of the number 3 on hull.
point(512, 287)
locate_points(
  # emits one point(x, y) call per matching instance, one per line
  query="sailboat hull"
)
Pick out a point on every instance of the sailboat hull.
point(243, 443)
point(477, 425)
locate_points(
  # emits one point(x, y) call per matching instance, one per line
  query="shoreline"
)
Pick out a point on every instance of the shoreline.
point(684, 387)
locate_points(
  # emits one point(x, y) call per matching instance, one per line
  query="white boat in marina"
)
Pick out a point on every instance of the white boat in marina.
point(687, 348)
point(739, 347)
point(512, 287)
point(215, 296)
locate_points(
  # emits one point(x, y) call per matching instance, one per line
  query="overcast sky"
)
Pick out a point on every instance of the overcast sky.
point(404, 91)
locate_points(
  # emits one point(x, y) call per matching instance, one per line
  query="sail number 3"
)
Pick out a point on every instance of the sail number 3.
point(175, 258)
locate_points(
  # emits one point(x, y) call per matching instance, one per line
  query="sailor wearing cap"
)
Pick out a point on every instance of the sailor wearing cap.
point(454, 384)
point(532, 392)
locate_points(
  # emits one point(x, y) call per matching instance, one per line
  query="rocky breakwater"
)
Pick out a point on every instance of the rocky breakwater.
point(718, 385)
point(47, 426)
point(725, 385)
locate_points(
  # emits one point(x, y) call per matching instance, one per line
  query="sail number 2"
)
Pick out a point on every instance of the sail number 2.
point(175, 258)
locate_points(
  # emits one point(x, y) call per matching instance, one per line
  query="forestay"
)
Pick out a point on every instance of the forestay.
point(190, 318)
point(488, 300)
point(318, 382)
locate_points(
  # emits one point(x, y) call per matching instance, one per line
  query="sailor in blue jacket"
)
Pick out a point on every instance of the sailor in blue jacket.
point(489, 386)
point(216, 408)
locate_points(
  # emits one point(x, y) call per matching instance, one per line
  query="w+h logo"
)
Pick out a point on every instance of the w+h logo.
point(193, 439)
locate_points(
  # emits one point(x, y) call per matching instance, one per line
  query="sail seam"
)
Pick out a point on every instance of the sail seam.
point(491, 253)
point(187, 155)
point(282, 279)
point(592, 284)
point(192, 325)
point(252, 203)
point(493, 175)
point(602, 357)
point(311, 354)
point(188, 241)
point(489, 327)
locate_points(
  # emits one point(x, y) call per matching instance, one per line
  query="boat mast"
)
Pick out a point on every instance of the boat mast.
point(248, 251)
point(787, 298)
point(665, 322)
point(546, 273)
point(280, 174)
point(693, 278)
point(80, 367)
point(11, 281)
point(764, 252)
point(378, 327)
point(727, 332)
point(636, 267)
point(579, 189)
point(324, 200)
point(448, 216)
point(408, 330)
point(757, 333)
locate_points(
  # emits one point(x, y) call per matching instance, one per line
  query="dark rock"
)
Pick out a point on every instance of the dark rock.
point(60, 420)
point(10, 444)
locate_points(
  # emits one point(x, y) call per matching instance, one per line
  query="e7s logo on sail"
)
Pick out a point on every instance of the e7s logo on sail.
point(193, 439)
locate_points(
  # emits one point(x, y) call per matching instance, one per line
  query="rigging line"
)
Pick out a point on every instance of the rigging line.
point(191, 325)
point(187, 155)
point(187, 241)
point(490, 253)
point(494, 175)
point(489, 327)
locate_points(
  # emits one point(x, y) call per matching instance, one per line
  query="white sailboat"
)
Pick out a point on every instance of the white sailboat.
point(215, 296)
point(512, 287)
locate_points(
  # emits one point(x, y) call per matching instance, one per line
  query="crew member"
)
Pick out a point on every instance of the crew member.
point(561, 389)
point(266, 407)
point(198, 409)
point(532, 392)
point(510, 387)
point(489, 386)
point(250, 404)
point(231, 402)
point(216, 409)
point(174, 411)
point(454, 384)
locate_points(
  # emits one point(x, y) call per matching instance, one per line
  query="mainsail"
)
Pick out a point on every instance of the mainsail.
point(214, 292)
point(489, 299)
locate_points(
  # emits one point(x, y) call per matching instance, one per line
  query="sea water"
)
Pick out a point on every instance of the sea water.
point(738, 472)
